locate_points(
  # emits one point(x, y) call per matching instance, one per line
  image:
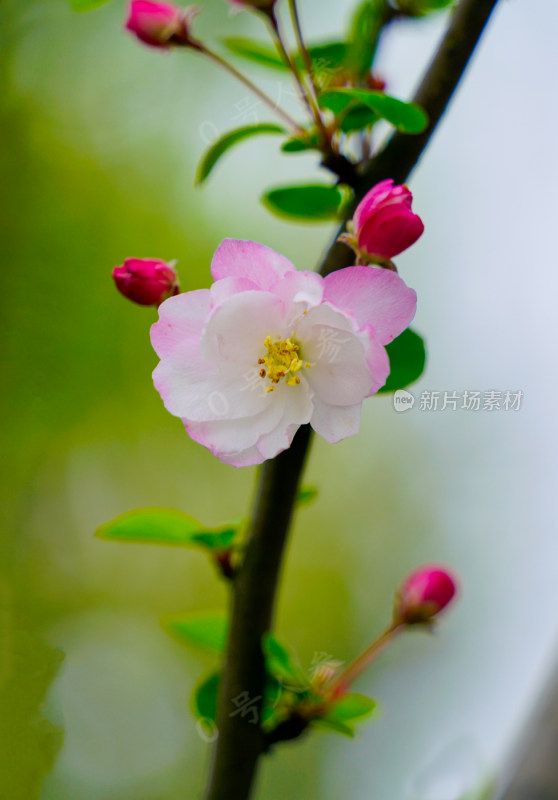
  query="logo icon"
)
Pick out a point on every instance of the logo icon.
point(402, 400)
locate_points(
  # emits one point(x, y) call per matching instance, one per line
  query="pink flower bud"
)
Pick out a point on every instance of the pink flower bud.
point(383, 223)
point(423, 594)
point(147, 281)
point(160, 24)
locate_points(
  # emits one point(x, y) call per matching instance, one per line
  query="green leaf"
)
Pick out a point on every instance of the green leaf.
point(366, 25)
point(326, 58)
point(299, 144)
point(420, 8)
point(281, 663)
point(228, 140)
point(254, 51)
point(333, 725)
point(206, 629)
point(406, 117)
point(407, 358)
point(357, 119)
point(305, 495)
point(310, 203)
point(152, 525)
point(350, 706)
point(219, 538)
point(86, 5)
point(204, 698)
point(167, 526)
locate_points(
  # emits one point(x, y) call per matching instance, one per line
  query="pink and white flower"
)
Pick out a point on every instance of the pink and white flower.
point(269, 348)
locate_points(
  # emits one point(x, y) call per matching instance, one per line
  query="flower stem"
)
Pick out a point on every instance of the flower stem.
point(226, 65)
point(307, 61)
point(305, 94)
point(341, 682)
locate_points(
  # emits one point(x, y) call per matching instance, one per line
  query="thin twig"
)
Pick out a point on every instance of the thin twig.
point(307, 61)
point(240, 743)
point(289, 61)
point(292, 123)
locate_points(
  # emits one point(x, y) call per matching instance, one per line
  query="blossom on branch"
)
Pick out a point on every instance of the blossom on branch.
point(269, 348)
point(160, 24)
point(146, 281)
point(423, 594)
point(383, 224)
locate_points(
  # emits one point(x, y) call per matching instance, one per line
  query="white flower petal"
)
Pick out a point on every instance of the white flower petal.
point(236, 331)
point(335, 423)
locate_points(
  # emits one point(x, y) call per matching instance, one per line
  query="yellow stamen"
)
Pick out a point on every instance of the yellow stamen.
point(282, 361)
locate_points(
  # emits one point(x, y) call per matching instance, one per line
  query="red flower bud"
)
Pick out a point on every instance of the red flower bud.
point(383, 224)
point(423, 594)
point(160, 24)
point(147, 281)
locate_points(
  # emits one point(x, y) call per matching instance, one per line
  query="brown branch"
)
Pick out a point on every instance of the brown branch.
point(241, 742)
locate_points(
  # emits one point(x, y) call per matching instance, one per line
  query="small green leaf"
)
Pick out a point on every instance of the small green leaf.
point(204, 698)
point(152, 525)
point(299, 144)
point(326, 58)
point(407, 358)
point(350, 706)
point(281, 663)
point(167, 526)
point(228, 140)
point(204, 629)
point(305, 495)
point(366, 26)
point(219, 538)
point(86, 5)
point(406, 117)
point(420, 8)
point(333, 725)
point(257, 52)
point(357, 119)
point(311, 203)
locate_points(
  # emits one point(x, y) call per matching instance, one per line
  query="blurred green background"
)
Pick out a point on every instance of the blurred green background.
point(99, 140)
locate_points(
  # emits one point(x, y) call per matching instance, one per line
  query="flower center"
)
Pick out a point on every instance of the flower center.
point(282, 361)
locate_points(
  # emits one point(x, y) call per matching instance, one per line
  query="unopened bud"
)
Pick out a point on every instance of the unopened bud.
point(423, 594)
point(147, 281)
point(383, 224)
point(161, 24)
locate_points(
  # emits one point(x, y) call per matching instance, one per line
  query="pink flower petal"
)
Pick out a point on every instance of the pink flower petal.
point(181, 317)
point(377, 297)
point(389, 231)
point(303, 288)
point(227, 437)
point(371, 201)
point(244, 259)
point(378, 363)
